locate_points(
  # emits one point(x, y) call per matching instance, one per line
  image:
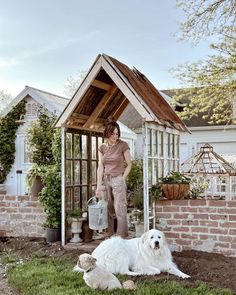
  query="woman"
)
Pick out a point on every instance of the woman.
point(112, 172)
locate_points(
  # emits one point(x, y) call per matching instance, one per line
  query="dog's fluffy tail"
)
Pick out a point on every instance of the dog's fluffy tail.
point(129, 285)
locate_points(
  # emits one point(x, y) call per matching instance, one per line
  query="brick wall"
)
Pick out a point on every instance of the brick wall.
point(205, 225)
point(20, 216)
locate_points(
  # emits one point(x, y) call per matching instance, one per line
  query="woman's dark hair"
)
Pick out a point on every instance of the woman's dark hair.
point(111, 125)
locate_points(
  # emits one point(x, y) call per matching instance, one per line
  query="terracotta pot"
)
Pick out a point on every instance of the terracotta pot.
point(175, 191)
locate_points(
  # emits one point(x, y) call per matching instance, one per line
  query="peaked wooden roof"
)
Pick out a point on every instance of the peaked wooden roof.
point(107, 90)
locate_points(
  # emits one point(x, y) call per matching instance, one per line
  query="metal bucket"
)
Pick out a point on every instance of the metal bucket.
point(97, 214)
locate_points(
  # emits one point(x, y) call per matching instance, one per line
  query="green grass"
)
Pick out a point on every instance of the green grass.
point(42, 276)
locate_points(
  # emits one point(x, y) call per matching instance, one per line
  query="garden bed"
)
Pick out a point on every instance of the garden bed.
point(213, 269)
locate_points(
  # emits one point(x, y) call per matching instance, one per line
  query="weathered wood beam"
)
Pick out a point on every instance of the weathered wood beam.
point(105, 99)
point(100, 130)
point(121, 108)
point(101, 85)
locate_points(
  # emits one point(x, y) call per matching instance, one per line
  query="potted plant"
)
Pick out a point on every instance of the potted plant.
point(50, 198)
point(175, 186)
point(34, 180)
point(74, 217)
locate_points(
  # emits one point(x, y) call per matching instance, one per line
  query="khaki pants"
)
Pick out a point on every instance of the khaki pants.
point(117, 204)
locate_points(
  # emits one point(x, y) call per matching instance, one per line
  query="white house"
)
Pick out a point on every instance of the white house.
point(35, 98)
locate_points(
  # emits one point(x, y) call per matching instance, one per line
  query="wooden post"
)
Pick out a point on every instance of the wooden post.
point(63, 155)
point(145, 177)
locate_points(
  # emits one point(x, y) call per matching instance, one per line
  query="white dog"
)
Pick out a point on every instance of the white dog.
point(98, 278)
point(147, 255)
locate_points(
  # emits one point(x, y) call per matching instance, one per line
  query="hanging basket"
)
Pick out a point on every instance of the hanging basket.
point(175, 191)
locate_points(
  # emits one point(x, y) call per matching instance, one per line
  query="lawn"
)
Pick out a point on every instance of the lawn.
point(43, 276)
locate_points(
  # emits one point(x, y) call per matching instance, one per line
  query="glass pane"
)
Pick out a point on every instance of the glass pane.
point(94, 172)
point(76, 172)
point(161, 143)
point(149, 172)
point(84, 197)
point(177, 146)
point(173, 145)
point(149, 141)
point(68, 199)
point(84, 147)
point(94, 190)
point(84, 172)
point(155, 175)
point(100, 141)
point(68, 172)
point(168, 144)
point(68, 145)
point(77, 152)
point(76, 196)
point(155, 142)
point(94, 148)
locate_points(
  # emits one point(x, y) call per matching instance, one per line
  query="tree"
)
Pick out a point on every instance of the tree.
point(210, 83)
point(4, 99)
point(73, 83)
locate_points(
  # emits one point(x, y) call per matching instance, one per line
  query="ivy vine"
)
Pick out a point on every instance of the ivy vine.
point(8, 129)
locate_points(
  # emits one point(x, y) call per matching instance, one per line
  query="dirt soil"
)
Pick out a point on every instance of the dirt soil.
point(213, 269)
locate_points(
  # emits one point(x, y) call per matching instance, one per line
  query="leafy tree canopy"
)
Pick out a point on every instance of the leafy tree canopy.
point(210, 83)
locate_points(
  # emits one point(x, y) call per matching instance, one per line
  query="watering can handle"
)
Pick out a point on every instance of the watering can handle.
point(93, 198)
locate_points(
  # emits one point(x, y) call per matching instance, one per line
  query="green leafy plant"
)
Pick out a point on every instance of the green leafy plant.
point(75, 213)
point(175, 177)
point(155, 193)
point(8, 129)
point(50, 196)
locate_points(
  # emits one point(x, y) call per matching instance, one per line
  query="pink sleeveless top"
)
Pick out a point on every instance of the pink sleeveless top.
point(113, 158)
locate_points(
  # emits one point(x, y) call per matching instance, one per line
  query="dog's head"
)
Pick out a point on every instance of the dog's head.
point(86, 262)
point(155, 239)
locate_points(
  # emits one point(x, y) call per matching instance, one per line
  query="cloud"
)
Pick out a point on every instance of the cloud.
point(8, 62)
point(33, 52)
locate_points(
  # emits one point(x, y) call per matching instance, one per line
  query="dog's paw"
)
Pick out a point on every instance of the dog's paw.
point(185, 276)
point(78, 269)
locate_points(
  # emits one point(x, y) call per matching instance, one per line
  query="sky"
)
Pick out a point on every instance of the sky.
point(43, 43)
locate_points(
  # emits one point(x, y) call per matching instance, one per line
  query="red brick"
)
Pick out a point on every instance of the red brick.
point(158, 209)
point(233, 246)
point(216, 203)
point(164, 203)
point(200, 216)
point(183, 242)
point(232, 232)
point(197, 202)
point(208, 223)
point(218, 217)
point(231, 204)
point(163, 215)
point(180, 216)
point(173, 222)
point(12, 210)
point(170, 209)
point(10, 198)
point(207, 210)
point(226, 239)
point(180, 202)
point(199, 229)
point(220, 231)
point(181, 229)
point(190, 222)
point(189, 236)
point(172, 235)
point(207, 237)
point(222, 245)
point(188, 209)
point(227, 211)
point(232, 217)
point(228, 224)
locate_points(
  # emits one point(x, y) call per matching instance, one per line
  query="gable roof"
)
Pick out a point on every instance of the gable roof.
point(107, 90)
point(50, 101)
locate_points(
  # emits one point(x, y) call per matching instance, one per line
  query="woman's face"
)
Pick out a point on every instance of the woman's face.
point(114, 136)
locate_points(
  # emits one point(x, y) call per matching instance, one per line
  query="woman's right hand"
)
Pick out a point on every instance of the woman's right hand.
point(98, 192)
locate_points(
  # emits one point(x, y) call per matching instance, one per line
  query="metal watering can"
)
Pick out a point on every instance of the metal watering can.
point(97, 214)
